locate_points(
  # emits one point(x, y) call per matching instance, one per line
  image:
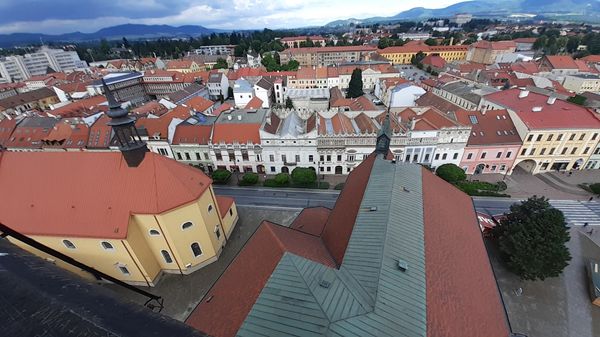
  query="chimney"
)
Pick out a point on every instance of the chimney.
point(239, 117)
point(484, 110)
point(451, 40)
point(523, 93)
point(413, 121)
point(551, 100)
point(229, 117)
point(536, 109)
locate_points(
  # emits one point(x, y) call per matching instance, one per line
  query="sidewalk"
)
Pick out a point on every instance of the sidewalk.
point(524, 185)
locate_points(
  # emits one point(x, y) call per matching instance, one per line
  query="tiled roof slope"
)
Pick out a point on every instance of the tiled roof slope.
point(462, 296)
point(254, 265)
point(91, 194)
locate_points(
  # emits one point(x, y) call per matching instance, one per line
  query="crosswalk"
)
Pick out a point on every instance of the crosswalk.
point(577, 213)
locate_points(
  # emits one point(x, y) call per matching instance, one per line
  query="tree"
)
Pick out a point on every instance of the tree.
point(282, 179)
point(221, 176)
point(532, 239)
point(573, 43)
point(540, 43)
point(304, 176)
point(431, 42)
point(288, 103)
point(355, 87)
point(221, 64)
point(451, 173)
point(417, 58)
point(577, 99)
point(126, 43)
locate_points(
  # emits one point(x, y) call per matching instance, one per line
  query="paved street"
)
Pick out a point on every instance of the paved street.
point(279, 198)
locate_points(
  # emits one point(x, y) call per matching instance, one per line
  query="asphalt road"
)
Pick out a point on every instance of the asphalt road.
point(279, 198)
point(301, 198)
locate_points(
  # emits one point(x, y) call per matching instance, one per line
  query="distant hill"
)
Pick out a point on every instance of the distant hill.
point(588, 10)
point(130, 31)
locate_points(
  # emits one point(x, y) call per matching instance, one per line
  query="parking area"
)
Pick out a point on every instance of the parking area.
point(412, 73)
point(182, 293)
point(558, 307)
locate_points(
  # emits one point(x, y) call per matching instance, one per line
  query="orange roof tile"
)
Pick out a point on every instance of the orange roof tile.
point(241, 133)
point(224, 204)
point(73, 205)
point(192, 134)
point(254, 103)
point(82, 108)
point(199, 104)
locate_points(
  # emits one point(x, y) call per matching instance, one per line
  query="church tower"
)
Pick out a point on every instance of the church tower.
point(130, 143)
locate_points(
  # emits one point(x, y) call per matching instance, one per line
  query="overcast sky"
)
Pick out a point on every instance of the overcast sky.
point(63, 16)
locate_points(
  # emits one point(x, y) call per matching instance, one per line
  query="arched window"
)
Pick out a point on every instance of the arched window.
point(107, 245)
point(166, 256)
point(154, 232)
point(69, 244)
point(210, 208)
point(196, 249)
point(187, 225)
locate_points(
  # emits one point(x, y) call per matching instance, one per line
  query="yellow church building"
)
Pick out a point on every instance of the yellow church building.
point(133, 215)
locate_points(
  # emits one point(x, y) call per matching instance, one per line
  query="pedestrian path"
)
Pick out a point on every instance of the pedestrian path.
point(577, 213)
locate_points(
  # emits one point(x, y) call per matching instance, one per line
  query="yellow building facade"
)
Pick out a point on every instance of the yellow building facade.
point(404, 54)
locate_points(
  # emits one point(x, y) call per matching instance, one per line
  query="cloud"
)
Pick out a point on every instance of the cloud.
point(62, 16)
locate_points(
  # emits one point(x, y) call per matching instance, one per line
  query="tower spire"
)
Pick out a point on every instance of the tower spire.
point(130, 143)
point(384, 136)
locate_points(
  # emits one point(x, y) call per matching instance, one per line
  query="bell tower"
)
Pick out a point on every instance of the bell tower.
point(384, 136)
point(130, 143)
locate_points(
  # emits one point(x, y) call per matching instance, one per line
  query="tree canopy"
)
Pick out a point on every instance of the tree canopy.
point(304, 176)
point(451, 173)
point(355, 87)
point(532, 239)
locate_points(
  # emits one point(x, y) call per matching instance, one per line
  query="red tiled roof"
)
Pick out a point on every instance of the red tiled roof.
point(457, 265)
point(7, 126)
point(224, 204)
point(180, 64)
point(246, 276)
point(273, 125)
point(200, 104)
point(337, 49)
point(192, 134)
point(559, 115)
point(340, 223)
point(254, 103)
point(561, 61)
point(591, 59)
point(525, 40)
point(493, 127)
point(495, 45)
point(82, 108)
point(431, 99)
point(67, 135)
point(221, 108)
point(160, 126)
point(311, 220)
point(74, 205)
point(152, 107)
point(525, 67)
point(241, 133)
point(435, 61)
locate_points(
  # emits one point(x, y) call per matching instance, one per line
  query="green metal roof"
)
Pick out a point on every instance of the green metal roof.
point(369, 295)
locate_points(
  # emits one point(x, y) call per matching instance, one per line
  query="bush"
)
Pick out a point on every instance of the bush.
point(304, 176)
point(282, 179)
point(249, 179)
point(595, 188)
point(270, 183)
point(502, 186)
point(221, 176)
point(339, 186)
point(323, 185)
point(451, 173)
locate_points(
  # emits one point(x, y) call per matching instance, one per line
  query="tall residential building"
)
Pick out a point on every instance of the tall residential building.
point(18, 68)
point(12, 69)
